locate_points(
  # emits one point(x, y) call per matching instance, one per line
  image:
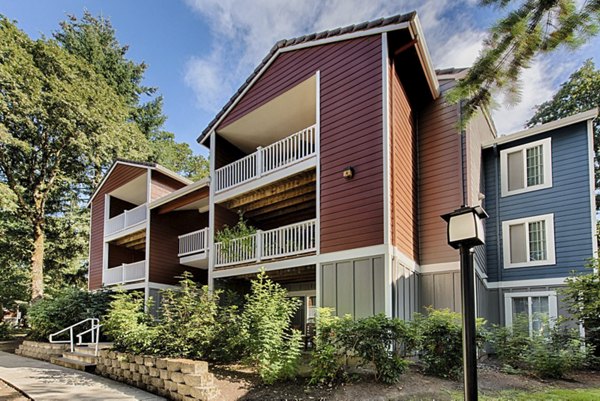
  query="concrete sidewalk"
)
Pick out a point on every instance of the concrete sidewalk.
point(45, 381)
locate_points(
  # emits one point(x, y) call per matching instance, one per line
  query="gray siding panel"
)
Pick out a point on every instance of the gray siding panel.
point(568, 200)
point(441, 291)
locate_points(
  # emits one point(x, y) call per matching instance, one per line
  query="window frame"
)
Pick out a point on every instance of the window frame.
point(547, 168)
point(550, 248)
point(552, 306)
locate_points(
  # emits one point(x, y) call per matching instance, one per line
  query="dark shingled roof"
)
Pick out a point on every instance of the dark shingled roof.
point(140, 163)
point(363, 26)
point(450, 71)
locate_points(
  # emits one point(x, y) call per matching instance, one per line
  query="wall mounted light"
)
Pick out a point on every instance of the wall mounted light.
point(348, 173)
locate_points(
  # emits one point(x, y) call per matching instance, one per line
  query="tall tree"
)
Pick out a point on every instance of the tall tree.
point(581, 92)
point(94, 39)
point(59, 122)
point(531, 27)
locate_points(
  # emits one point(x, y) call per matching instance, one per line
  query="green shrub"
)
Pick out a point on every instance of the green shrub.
point(329, 352)
point(551, 352)
point(6, 331)
point(228, 344)
point(64, 309)
point(376, 340)
point(271, 346)
point(439, 341)
point(130, 327)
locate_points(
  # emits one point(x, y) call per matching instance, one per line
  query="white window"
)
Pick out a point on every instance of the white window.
point(528, 242)
point(526, 168)
point(534, 308)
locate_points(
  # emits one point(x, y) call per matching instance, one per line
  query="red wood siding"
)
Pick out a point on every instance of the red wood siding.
point(403, 211)
point(163, 185)
point(439, 177)
point(224, 216)
point(164, 245)
point(226, 152)
point(351, 133)
point(120, 175)
point(118, 255)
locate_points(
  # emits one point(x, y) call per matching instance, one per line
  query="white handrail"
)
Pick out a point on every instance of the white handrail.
point(125, 273)
point(289, 150)
point(128, 218)
point(51, 339)
point(194, 242)
point(95, 330)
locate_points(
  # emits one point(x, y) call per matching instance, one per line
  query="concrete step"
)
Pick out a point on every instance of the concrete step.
point(78, 356)
point(73, 364)
point(82, 349)
point(93, 345)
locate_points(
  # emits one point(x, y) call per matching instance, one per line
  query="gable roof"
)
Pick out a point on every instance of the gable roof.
point(140, 164)
point(399, 21)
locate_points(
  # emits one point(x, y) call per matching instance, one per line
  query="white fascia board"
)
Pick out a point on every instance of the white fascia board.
point(180, 192)
point(539, 129)
point(527, 283)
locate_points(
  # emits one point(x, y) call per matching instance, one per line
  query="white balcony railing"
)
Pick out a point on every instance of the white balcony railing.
point(280, 154)
point(284, 241)
point(125, 273)
point(128, 218)
point(194, 242)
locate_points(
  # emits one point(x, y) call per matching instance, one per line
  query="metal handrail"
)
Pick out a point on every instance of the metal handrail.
point(95, 328)
point(95, 323)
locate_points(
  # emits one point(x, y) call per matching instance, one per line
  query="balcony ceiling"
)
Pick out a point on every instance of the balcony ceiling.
point(134, 191)
point(135, 241)
point(288, 113)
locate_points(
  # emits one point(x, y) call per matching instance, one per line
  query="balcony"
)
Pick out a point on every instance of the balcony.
point(291, 240)
point(126, 273)
point(289, 151)
point(123, 222)
point(193, 248)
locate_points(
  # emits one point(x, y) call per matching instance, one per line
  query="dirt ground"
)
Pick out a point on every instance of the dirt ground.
point(7, 393)
point(238, 383)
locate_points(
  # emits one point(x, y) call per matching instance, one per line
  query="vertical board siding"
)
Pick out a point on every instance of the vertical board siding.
point(441, 291)
point(351, 133)
point(120, 175)
point(164, 245)
point(439, 177)
point(163, 185)
point(403, 191)
point(568, 199)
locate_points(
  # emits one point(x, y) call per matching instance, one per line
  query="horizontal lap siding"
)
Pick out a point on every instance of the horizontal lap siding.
point(120, 175)
point(163, 185)
point(164, 245)
point(439, 178)
point(403, 166)
point(568, 200)
point(351, 133)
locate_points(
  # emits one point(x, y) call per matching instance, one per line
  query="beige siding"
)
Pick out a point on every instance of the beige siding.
point(478, 131)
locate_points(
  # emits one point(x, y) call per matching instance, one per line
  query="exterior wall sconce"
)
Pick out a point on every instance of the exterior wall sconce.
point(348, 173)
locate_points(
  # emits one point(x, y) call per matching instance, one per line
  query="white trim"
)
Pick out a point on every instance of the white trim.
point(147, 250)
point(540, 282)
point(358, 253)
point(127, 231)
point(404, 259)
point(180, 192)
point(550, 248)
point(538, 129)
point(440, 267)
point(135, 286)
point(318, 157)
point(104, 241)
point(318, 284)
point(546, 144)
point(172, 174)
point(413, 25)
point(552, 305)
point(592, 173)
point(161, 286)
point(385, 106)
point(211, 212)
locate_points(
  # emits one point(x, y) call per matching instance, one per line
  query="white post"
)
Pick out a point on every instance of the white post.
point(259, 157)
point(259, 241)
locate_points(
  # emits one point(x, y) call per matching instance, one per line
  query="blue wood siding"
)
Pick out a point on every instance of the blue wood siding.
point(568, 199)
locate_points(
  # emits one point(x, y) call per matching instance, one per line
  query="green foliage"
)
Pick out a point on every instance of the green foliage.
point(529, 28)
point(6, 331)
point(240, 231)
point(439, 341)
point(552, 352)
point(67, 307)
point(376, 340)
point(579, 93)
point(582, 296)
point(272, 347)
point(129, 326)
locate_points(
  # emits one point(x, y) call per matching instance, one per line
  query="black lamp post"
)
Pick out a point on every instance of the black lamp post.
point(465, 230)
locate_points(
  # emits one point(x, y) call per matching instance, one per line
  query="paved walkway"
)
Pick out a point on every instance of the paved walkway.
point(44, 381)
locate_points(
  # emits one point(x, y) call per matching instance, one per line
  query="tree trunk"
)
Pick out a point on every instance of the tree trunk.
point(37, 262)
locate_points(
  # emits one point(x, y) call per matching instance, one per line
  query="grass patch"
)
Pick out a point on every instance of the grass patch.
point(591, 394)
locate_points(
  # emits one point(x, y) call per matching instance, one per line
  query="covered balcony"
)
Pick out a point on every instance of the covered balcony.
point(282, 242)
point(125, 273)
point(126, 209)
point(193, 248)
point(125, 221)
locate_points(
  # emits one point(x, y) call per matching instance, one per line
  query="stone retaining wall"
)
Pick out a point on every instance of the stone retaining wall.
point(176, 379)
point(43, 351)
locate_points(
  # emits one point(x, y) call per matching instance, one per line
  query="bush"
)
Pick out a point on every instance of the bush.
point(550, 353)
point(439, 341)
point(130, 327)
point(271, 346)
point(6, 331)
point(376, 340)
point(64, 309)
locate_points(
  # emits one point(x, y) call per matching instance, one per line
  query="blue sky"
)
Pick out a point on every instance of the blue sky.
point(199, 51)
